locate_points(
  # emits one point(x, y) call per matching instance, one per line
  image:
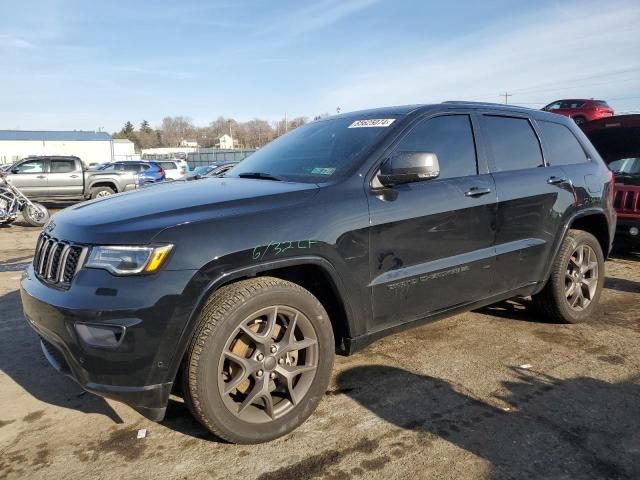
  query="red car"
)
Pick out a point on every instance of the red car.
point(581, 110)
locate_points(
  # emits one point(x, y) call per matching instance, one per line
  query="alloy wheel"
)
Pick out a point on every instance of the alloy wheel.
point(268, 364)
point(581, 278)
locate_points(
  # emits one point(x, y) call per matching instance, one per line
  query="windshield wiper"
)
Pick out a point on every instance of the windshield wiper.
point(260, 176)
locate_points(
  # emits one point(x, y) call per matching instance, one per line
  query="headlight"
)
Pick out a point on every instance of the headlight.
point(128, 260)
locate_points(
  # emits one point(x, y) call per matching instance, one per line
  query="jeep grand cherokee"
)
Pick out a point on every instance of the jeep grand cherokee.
point(240, 289)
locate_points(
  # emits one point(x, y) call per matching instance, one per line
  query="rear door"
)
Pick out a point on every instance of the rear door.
point(65, 177)
point(30, 177)
point(532, 199)
point(432, 241)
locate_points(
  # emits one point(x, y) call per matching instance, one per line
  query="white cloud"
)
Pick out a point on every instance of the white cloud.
point(317, 15)
point(562, 51)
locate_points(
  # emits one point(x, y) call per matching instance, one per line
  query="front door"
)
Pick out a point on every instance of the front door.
point(432, 241)
point(30, 177)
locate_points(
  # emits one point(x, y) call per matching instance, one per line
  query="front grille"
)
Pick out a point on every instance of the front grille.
point(627, 201)
point(56, 262)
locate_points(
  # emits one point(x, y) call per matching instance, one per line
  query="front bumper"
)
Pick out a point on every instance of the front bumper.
point(148, 311)
point(623, 232)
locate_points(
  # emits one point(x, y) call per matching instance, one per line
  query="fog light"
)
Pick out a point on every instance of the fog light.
point(633, 231)
point(100, 335)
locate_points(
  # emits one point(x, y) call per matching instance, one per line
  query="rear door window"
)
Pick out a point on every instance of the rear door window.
point(168, 165)
point(562, 147)
point(450, 137)
point(512, 143)
point(62, 165)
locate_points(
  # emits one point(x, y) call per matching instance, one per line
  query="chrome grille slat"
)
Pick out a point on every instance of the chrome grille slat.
point(56, 262)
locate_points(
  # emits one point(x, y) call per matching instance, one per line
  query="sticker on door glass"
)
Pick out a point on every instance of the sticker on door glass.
point(372, 122)
point(323, 171)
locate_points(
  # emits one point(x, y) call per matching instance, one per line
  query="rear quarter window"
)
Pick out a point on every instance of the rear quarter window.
point(561, 146)
point(168, 165)
point(512, 143)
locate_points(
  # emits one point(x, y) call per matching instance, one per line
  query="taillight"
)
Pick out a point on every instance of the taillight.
point(161, 171)
point(612, 185)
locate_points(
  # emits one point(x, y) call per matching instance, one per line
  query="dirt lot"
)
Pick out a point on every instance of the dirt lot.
point(448, 400)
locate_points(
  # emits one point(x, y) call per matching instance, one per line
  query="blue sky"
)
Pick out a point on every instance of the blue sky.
point(84, 65)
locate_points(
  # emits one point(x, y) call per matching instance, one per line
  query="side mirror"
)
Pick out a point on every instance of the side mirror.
point(407, 167)
point(15, 170)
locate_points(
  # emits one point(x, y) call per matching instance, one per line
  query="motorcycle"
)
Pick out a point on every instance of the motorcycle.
point(13, 200)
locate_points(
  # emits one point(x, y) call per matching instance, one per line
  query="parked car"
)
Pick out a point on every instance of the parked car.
point(239, 289)
point(172, 169)
point(60, 177)
point(581, 110)
point(212, 170)
point(617, 139)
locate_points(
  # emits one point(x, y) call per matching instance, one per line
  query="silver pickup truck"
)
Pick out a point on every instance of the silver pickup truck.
point(66, 178)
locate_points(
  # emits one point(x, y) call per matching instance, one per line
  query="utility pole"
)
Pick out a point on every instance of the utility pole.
point(506, 97)
point(338, 110)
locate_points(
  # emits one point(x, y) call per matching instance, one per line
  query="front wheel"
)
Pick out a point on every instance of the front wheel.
point(577, 277)
point(260, 360)
point(101, 192)
point(35, 214)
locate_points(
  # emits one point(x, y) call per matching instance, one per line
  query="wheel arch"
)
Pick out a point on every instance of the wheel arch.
point(315, 274)
point(104, 183)
point(594, 221)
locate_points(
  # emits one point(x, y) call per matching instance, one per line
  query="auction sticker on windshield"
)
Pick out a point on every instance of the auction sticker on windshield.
point(372, 122)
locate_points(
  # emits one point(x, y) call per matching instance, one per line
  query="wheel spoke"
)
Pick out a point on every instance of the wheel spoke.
point(590, 267)
point(259, 390)
point(289, 374)
point(571, 290)
point(262, 338)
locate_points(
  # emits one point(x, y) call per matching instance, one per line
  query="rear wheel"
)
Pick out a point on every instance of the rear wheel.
point(577, 277)
point(260, 360)
point(579, 120)
point(101, 192)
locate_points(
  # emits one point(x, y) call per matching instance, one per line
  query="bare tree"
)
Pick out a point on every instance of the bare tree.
point(176, 129)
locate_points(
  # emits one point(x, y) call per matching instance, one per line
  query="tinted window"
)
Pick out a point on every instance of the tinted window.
point(31, 166)
point(562, 146)
point(131, 167)
point(450, 138)
point(572, 104)
point(61, 165)
point(553, 106)
point(512, 142)
point(600, 103)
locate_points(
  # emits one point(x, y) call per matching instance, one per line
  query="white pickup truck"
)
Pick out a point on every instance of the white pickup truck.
point(66, 178)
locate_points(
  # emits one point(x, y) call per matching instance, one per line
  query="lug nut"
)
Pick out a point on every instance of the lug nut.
point(281, 361)
point(272, 375)
point(274, 349)
point(260, 357)
point(259, 373)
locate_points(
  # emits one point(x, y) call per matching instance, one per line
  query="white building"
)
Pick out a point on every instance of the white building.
point(124, 149)
point(187, 143)
point(91, 147)
point(225, 142)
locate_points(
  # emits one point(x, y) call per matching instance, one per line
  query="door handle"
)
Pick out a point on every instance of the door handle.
point(476, 192)
point(556, 180)
point(41, 176)
point(73, 176)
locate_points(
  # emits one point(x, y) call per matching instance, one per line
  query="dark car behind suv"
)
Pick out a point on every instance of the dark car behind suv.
point(238, 290)
point(617, 139)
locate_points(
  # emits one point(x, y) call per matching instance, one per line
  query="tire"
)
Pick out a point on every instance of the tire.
point(35, 214)
point(579, 120)
point(556, 299)
point(101, 192)
point(216, 388)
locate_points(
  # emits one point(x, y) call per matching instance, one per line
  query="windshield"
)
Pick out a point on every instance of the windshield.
point(629, 166)
point(316, 152)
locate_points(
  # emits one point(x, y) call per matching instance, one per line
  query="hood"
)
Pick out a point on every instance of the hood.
point(136, 217)
point(615, 137)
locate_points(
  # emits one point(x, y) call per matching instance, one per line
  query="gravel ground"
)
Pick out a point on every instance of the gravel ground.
point(493, 394)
